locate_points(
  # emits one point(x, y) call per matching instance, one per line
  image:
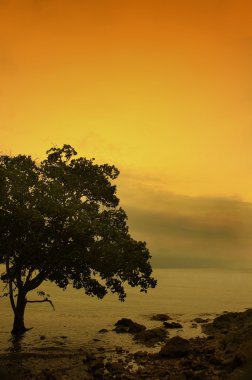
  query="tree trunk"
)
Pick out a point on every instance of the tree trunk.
point(18, 325)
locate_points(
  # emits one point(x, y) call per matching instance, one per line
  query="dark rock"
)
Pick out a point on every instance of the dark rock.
point(119, 349)
point(176, 347)
point(97, 364)
point(198, 365)
point(198, 375)
point(124, 322)
point(101, 349)
point(239, 360)
point(126, 325)
point(201, 320)
point(210, 337)
point(115, 367)
point(99, 373)
point(172, 325)
point(136, 327)
point(88, 357)
point(103, 331)
point(151, 336)
point(228, 362)
point(223, 321)
point(161, 317)
point(188, 373)
point(121, 329)
point(224, 331)
point(48, 375)
point(209, 350)
point(42, 337)
point(215, 360)
point(140, 354)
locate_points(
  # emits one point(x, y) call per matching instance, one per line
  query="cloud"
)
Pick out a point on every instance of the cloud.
point(192, 226)
point(193, 231)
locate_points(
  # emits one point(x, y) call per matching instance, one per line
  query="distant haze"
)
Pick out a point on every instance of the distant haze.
point(190, 232)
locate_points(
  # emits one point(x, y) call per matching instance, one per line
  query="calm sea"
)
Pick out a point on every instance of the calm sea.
point(182, 293)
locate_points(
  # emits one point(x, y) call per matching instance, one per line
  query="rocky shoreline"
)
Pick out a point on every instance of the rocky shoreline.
point(224, 353)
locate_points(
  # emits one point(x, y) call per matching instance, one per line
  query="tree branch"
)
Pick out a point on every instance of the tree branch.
point(40, 301)
point(28, 276)
point(36, 281)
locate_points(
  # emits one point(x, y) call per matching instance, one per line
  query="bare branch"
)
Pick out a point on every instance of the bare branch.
point(36, 281)
point(5, 291)
point(40, 301)
point(29, 276)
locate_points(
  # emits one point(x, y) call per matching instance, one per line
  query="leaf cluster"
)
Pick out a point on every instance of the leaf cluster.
point(60, 220)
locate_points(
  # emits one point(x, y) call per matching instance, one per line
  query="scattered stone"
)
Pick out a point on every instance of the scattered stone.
point(172, 325)
point(121, 329)
point(124, 322)
point(210, 337)
point(198, 375)
point(231, 322)
point(224, 331)
point(189, 373)
point(161, 317)
point(224, 321)
point(215, 357)
point(136, 328)
point(126, 325)
point(88, 357)
point(151, 336)
point(101, 349)
point(98, 373)
point(215, 360)
point(119, 349)
point(201, 320)
point(48, 375)
point(176, 347)
point(115, 367)
point(103, 331)
point(97, 364)
point(209, 350)
point(239, 360)
point(140, 354)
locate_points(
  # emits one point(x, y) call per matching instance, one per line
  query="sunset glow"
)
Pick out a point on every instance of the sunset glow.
point(162, 89)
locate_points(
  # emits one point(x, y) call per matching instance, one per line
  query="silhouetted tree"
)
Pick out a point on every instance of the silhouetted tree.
point(60, 221)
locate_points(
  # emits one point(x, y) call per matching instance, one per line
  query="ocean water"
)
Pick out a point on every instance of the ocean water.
point(182, 293)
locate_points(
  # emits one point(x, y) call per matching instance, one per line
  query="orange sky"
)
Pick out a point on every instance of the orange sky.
point(160, 88)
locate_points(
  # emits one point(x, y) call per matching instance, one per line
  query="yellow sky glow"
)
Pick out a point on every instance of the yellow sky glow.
point(158, 87)
point(162, 89)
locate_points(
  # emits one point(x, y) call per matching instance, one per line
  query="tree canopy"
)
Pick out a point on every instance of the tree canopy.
point(60, 221)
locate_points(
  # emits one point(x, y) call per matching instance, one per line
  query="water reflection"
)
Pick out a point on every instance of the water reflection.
point(183, 294)
point(16, 341)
